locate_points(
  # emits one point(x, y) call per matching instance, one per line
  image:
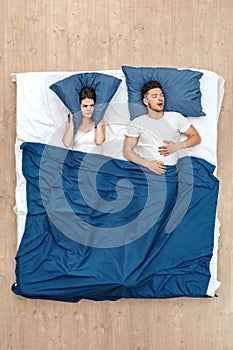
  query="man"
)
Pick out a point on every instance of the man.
point(157, 134)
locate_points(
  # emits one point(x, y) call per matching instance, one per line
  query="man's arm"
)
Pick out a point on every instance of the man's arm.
point(129, 153)
point(193, 138)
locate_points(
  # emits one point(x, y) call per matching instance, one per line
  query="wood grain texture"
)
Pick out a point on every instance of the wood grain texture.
point(39, 35)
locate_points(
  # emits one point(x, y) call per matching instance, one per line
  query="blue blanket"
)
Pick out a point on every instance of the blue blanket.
point(103, 229)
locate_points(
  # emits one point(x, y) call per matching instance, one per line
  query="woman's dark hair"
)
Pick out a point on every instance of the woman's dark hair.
point(152, 84)
point(87, 92)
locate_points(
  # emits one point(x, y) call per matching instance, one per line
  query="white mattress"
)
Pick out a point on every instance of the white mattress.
point(41, 118)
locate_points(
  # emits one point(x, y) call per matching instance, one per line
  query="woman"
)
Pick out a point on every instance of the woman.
point(88, 136)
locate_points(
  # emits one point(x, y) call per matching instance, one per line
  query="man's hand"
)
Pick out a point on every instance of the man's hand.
point(128, 151)
point(193, 138)
point(156, 166)
point(170, 148)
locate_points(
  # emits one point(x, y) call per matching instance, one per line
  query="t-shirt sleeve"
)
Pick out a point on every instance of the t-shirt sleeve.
point(132, 130)
point(183, 123)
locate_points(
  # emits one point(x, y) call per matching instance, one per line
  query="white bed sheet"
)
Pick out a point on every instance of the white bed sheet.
point(41, 118)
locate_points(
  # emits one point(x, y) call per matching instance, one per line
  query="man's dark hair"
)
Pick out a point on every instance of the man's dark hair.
point(152, 84)
point(87, 92)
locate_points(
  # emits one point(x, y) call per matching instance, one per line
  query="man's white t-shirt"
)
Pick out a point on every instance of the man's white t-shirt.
point(152, 133)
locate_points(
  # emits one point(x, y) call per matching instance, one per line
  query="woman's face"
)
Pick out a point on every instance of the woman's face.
point(87, 107)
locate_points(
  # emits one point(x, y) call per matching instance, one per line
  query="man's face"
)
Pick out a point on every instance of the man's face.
point(155, 100)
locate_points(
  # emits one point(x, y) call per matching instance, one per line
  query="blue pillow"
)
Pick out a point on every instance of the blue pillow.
point(68, 90)
point(181, 89)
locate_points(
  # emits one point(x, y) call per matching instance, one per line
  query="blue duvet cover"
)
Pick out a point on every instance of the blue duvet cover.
point(103, 229)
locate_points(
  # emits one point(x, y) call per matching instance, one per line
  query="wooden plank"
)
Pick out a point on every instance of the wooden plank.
point(104, 34)
point(35, 36)
point(56, 36)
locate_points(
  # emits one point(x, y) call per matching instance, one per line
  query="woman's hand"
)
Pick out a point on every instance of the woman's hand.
point(100, 133)
point(71, 119)
point(101, 123)
point(69, 131)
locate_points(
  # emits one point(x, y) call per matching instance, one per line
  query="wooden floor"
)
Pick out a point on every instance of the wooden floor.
point(58, 35)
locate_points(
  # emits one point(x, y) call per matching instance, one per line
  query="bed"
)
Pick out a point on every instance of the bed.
point(106, 246)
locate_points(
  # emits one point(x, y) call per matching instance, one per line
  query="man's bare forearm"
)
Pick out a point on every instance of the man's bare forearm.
point(154, 165)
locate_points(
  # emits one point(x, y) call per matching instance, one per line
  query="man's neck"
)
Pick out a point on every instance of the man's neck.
point(154, 114)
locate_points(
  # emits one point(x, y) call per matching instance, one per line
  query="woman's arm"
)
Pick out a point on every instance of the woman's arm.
point(100, 133)
point(69, 132)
